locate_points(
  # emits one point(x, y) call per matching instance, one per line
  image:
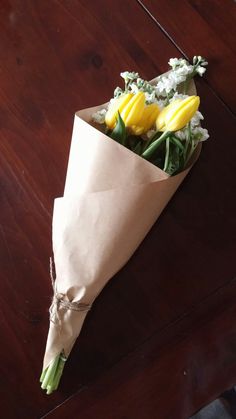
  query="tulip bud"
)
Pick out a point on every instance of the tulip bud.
point(176, 115)
point(160, 122)
point(132, 112)
point(147, 120)
point(137, 116)
point(116, 106)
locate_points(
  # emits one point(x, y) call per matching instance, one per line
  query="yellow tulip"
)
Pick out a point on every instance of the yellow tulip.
point(137, 116)
point(132, 112)
point(160, 122)
point(116, 106)
point(147, 119)
point(177, 114)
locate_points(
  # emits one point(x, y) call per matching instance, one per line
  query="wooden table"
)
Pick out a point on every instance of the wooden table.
point(168, 348)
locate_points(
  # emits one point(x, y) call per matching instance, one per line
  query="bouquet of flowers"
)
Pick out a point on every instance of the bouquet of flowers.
point(128, 156)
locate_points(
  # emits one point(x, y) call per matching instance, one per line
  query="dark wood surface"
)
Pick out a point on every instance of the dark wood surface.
point(175, 365)
point(168, 348)
point(208, 27)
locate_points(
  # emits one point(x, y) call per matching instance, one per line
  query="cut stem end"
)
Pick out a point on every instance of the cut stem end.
point(50, 377)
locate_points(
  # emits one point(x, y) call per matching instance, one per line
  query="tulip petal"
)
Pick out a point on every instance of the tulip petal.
point(132, 112)
point(147, 119)
point(116, 106)
point(177, 114)
point(178, 118)
point(160, 122)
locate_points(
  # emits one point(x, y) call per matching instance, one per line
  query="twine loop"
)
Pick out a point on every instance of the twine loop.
point(59, 300)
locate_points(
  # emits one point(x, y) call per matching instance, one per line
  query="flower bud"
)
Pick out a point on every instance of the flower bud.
point(177, 114)
point(133, 111)
point(116, 106)
point(147, 120)
point(160, 122)
point(137, 116)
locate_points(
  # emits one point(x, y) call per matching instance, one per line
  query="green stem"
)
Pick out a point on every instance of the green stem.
point(177, 142)
point(167, 154)
point(150, 141)
point(59, 372)
point(154, 145)
point(188, 139)
point(43, 375)
point(192, 149)
point(51, 375)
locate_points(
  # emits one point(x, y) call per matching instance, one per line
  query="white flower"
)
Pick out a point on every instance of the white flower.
point(118, 92)
point(99, 116)
point(134, 88)
point(165, 85)
point(176, 62)
point(173, 62)
point(195, 121)
point(201, 134)
point(181, 134)
point(200, 70)
point(184, 70)
point(129, 75)
point(175, 77)
point(150, 97)
point(181, 69)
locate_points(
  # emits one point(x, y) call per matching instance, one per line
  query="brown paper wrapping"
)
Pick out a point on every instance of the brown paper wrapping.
point(111, 200)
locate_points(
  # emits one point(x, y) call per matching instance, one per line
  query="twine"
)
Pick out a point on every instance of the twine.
point(59, 300)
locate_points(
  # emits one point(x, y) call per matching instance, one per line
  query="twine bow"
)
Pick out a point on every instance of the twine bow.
point(59, 300)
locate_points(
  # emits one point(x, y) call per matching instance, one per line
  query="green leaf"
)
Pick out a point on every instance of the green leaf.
point(177, 142)
point(175, 159)
point(138, 148)
point(135, 143)
point(119, 132)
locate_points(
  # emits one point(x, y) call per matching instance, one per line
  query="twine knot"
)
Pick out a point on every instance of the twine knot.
point(59, 300)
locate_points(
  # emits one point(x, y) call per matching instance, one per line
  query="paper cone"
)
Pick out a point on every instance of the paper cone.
point(111, 200)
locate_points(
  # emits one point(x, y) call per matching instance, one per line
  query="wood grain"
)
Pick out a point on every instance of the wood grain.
point(203, 28)
point(57, 57)
point(172, 363)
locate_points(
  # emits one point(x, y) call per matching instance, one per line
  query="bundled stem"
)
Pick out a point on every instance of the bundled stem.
point(50, 377)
